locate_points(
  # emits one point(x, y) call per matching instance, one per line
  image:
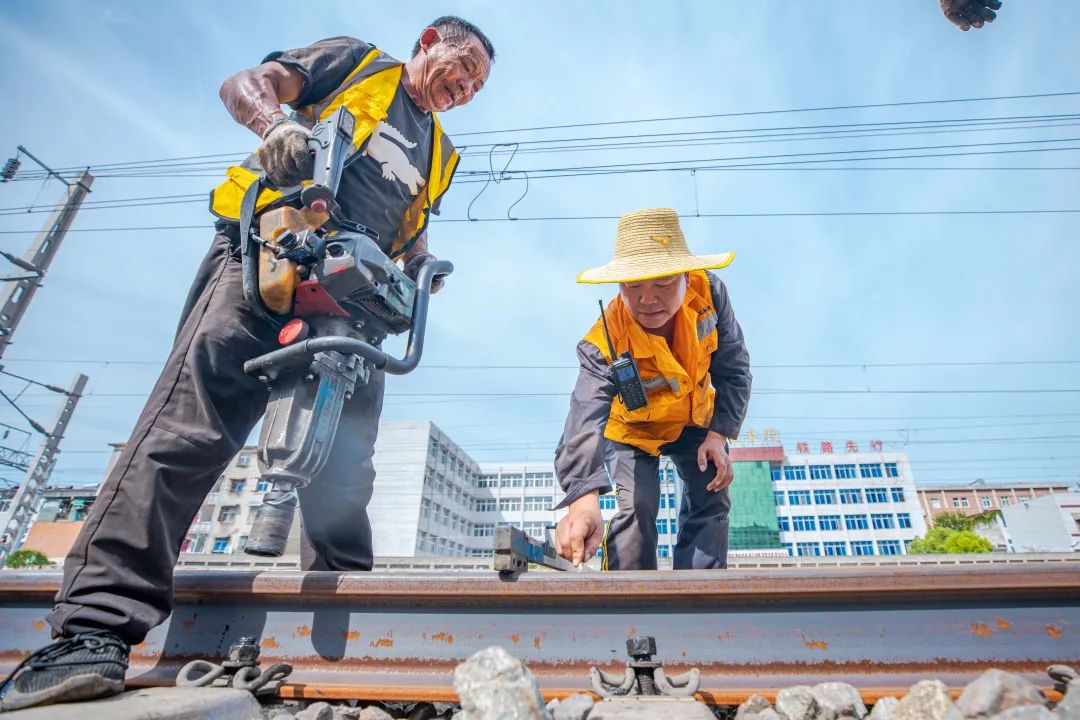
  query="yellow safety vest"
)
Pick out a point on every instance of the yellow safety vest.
point(367, 93)
point(676, 379)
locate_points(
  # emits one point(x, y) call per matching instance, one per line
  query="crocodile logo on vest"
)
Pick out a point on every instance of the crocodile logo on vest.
point(384, 150)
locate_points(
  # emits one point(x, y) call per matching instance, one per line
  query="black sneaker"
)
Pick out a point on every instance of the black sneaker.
point(86, 666)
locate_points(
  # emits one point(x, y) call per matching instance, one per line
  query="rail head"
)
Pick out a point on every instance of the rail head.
point(853, 584)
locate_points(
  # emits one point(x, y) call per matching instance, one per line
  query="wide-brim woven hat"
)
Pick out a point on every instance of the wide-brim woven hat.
point(650, 244)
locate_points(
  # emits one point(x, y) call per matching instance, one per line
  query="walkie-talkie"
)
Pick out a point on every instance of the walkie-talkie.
point(624, 373)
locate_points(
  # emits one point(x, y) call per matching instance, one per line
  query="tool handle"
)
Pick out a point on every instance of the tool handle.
point(344, 344)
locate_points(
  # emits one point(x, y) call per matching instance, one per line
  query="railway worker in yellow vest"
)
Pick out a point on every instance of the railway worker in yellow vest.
point(118, 577)
point(675, 320)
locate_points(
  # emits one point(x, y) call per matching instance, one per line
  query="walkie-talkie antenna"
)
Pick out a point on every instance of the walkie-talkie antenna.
point(603, 319)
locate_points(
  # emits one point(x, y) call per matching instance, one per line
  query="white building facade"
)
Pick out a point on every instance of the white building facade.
point(524, 495)
point(1046, 524)
point(430, 499)
point(851, 504)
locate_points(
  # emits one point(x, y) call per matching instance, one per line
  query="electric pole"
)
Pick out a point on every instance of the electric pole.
point(14, 299)
point(20, 289)
point(13, 522)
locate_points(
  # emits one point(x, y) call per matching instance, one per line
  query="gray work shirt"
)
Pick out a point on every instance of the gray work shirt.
point(380, 183)
point(579, 457)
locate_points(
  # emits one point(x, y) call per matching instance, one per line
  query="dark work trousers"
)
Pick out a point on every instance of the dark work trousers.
point(630, 537)
point(119, 573)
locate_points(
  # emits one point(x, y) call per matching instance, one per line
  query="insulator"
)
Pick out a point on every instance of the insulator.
point(10, 168)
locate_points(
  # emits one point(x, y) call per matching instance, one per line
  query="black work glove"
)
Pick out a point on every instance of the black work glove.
point(966, 14)
point(419, 260)
point(284, 155)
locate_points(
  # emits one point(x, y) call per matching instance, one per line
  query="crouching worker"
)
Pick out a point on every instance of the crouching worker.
point(673, 380)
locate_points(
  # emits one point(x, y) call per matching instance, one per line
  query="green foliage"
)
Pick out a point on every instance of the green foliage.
point(966, 541)
point(27, 558)
point(946, 540)
point(953, 521)
point(934, 542)
point(959, 521)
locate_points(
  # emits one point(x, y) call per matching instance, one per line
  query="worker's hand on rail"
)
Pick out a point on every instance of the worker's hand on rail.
point(967, 14)
point(284, 155)
point(578, 535)
point(714, 449)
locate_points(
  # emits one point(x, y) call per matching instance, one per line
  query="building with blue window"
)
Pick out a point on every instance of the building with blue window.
point(432, 498)
point(839, 504)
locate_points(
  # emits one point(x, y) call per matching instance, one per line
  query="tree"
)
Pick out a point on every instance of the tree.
point(965, 541)
point(934, 542)
point(946, 540)
point(959, 521)
point(27, 558)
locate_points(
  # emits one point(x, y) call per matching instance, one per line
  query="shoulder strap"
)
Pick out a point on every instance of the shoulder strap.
point(249, 254)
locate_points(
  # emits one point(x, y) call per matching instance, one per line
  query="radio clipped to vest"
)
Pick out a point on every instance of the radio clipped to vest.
point(624, 373)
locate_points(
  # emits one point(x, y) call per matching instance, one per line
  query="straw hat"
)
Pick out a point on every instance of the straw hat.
point(650, 244)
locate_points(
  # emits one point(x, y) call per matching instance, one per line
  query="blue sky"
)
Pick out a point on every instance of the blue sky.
point(108, 82)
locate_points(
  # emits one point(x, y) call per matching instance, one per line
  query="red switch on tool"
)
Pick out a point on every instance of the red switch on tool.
point(294, 331)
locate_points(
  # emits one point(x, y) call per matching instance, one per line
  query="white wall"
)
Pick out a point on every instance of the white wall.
point(1046, 524)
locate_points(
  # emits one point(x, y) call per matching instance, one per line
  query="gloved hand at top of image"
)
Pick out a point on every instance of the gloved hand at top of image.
point(966, 14)
point(284, 155)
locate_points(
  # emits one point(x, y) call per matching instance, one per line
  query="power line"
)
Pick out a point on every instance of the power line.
point(830, 432)
point(828, 108)
point(574, 218)
point(114, 204)
point(680, 166)
point(758, 391)
point(867, 213)
point(776, 156)
point(906, 417)
point(667, 140)
point(177, 161)
point(768, 167)
point(533, 174)
point(798, 366)
point(780, 130)
point(710, 140)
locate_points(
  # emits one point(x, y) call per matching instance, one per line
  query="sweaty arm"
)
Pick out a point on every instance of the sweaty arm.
point(579, 457)
point(254, 97)
point(730, 366)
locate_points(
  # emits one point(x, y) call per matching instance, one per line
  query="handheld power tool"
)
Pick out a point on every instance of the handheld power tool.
point(335, 295)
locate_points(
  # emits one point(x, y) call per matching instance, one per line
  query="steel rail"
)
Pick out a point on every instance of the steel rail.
point(392, 635)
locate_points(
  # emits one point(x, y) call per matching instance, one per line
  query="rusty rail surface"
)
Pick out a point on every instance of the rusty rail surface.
point(399, 635)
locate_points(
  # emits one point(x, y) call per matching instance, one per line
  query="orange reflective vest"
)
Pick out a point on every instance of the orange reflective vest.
point(676, 379)
point(367, 93)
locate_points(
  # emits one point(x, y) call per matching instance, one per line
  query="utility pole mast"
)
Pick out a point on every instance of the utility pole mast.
point(13, 522)
point(14, 299)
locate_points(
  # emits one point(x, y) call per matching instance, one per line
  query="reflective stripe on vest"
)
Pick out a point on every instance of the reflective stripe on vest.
point(367, 93)
point(676, 378)
point(660, 381)
point(706, 325)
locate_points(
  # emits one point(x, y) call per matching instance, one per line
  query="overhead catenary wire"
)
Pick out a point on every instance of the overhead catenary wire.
point(682, 118)
point(776, 159)
point(824, 108)
point(796, 366)
point(712, 138)
point(700, 162)
point(759, 391)
point(636, 141)
point(577, 218)
point(201, 197)
point(483, 176)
